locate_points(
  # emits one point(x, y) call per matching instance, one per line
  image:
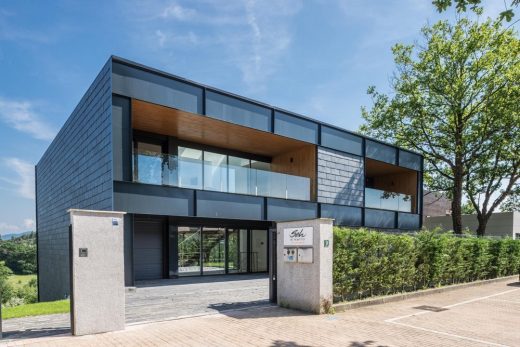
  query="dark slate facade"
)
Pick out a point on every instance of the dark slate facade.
point(74, 172)
point(90, 166)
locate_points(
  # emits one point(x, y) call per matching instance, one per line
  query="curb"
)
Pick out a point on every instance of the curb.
point(345, 306)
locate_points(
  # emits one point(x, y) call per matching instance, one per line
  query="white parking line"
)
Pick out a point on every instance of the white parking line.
point(392, 320)
point(488, 343)
point(395, 319)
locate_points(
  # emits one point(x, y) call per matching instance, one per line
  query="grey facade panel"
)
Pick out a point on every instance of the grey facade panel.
point(233, 206)
point(409, 160)
point(237, 111)
point(343, 215)
point(340, 178)
point(143, 85)
point(284, 210)
point(341, 140)
point(121, 138)
point(381, 152)
point(379, 219)
point(74, 172)
point(294, 127)
point(408, 221)
point(140, 198)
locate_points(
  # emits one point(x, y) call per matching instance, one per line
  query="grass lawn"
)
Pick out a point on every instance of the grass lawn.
point(37, 309)
point(18, 281)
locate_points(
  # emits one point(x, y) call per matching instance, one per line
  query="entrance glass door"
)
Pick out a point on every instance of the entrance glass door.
point(188, 245)
point(237, 250)
point(213, 251)
point(258, 253)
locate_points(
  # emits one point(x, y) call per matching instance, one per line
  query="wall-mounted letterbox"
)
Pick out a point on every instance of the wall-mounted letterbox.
point(305, 255)
point(290, 255)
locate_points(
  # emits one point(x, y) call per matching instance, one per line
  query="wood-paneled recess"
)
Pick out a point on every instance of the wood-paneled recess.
point(206, 130)
point(288, 155)
point(300, 162)
point(392, 179)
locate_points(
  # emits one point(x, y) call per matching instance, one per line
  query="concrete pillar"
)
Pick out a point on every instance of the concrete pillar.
point(304, 265)
point(97, 271)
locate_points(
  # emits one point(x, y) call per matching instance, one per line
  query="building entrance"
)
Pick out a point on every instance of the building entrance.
point(216, 251)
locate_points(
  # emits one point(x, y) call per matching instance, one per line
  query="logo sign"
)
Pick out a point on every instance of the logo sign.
point(297, 236)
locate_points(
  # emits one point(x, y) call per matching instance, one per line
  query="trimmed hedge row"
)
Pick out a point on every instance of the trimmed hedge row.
point(369, 263)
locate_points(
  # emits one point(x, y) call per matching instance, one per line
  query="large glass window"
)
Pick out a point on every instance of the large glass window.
point(341, 140)
point(188, 246)
point(148, 162)
point(239, 175)
point(190, 168)
point(295, 127)
point(409, 160)
point(237, 111)
point(215, 172)
point(237, 250)
point(381, 152)
point(213, 251)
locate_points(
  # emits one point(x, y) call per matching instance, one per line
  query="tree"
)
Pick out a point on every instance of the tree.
point(468, 208)
point(512, 202)
point(462, 6)
point(455, 99)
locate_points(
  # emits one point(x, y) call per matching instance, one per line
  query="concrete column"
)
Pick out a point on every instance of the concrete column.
point(304, 265)
point(97, 271)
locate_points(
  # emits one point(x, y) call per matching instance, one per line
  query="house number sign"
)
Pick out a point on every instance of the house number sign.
point(298, 236)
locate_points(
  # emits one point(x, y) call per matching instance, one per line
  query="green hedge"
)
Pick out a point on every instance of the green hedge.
point(369, 263)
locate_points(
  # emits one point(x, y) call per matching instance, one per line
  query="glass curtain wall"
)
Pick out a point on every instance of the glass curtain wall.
point(237, 250)
point(188, 245)
point(213, 251)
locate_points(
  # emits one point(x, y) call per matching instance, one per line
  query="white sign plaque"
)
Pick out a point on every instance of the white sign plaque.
point(298, 236)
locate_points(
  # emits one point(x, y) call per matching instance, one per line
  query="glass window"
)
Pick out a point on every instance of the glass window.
point(148, 163)
point(408, 221)
point(296, 128)
point(151, 87)
point(260, 165)
point(409, 160)
point(342, 215)
point(379, 219)
point(215, 171)
point(239, 175)
point(237, 111)
point(190, 168)
point(188, 246)
point(341, 140)
point(213, 251)
point(381, 152)
point(237, 250)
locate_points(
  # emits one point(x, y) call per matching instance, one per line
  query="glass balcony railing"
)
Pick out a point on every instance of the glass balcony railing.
point(375, 198)
point(194, 173)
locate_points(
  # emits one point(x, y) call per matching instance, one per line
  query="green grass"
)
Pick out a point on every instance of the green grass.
point(38, 309)
point(18, 281)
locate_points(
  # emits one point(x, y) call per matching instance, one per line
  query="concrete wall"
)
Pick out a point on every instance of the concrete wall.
point(304, 286)
point(74, 172)
point(340, 178)
point(500, 224)
point(98, 289)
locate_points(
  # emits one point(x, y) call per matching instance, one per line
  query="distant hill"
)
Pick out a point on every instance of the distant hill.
point(14, 235)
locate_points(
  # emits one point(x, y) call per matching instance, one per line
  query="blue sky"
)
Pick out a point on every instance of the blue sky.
point(314, 57)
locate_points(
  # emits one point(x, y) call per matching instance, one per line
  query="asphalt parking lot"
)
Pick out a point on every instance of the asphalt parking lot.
point(485, 315)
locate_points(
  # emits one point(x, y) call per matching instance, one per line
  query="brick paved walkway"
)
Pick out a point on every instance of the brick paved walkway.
point(487, 315)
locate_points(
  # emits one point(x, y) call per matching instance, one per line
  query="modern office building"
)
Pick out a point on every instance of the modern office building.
point(203, 174)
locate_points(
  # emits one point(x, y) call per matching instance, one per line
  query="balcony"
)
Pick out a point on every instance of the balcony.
point(217, 173)
point(381, 199)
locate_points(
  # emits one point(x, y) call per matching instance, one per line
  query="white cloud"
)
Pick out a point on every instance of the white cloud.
point(29, 224)
point(24, 180)
point(21, 116)
point(251, 36)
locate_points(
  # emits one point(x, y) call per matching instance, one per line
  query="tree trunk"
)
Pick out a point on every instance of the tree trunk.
point(456, 204)
point(482, 223)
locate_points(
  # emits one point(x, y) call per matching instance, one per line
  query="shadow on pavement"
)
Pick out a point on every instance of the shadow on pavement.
point(34, 333)
point(199, 280)
point(264, 309)
point(514, 284)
